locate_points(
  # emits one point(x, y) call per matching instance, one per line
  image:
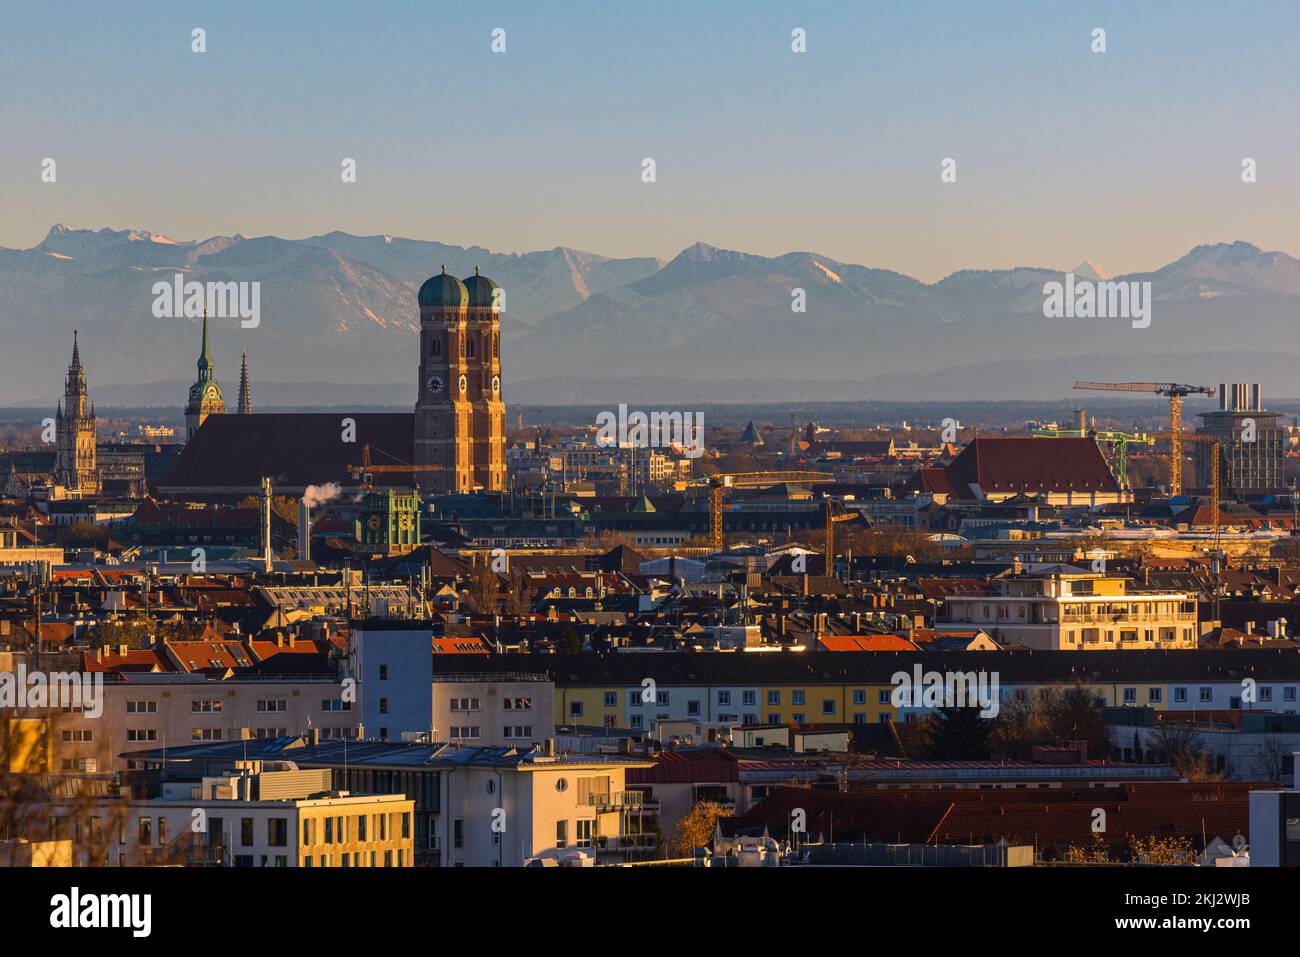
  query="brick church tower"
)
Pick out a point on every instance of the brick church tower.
point(459, 414)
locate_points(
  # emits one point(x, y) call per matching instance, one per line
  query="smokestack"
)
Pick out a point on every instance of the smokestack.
point(266, 525)
point(1255, 398)
point(304, 530)
point(1241, 396)
point(1081, 421)
point(1223, 397)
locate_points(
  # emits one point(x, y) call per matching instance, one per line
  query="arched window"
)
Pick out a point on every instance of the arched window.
point(435, 346)
point(496, 345)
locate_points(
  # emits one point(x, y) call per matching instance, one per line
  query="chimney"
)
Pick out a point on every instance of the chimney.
point(1081, 421)
point(1255, 402)
point(1223, 397)
point(304, 530)
point(550, 747)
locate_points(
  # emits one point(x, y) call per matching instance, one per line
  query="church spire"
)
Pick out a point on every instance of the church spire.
point(245, 387)
point(205, 359)
point(76, 354)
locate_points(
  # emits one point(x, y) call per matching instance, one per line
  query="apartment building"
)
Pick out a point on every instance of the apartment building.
point(253, 814)
point(473, 807)
point(142, 711)
point(1066, 608)
point(498, 709)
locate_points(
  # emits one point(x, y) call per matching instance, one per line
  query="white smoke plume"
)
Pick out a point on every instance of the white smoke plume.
point(315, 495)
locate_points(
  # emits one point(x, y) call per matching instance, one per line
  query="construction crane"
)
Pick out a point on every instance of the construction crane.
point(366, 470)
point(834, 512)
point(723, 480)
point(1116, 444)
point(1216, 485)
point(1175, 392)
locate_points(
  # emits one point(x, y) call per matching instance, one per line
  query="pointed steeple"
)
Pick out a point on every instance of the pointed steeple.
point(245, 387)
point(205, 359)
point(76, 354)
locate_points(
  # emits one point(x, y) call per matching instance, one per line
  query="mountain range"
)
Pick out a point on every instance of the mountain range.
point(338, 321)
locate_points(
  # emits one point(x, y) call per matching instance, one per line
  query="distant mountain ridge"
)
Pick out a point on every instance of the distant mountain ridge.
point(339, 308)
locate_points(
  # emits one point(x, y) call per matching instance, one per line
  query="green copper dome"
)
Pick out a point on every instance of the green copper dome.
point(443, 292)
point(480, 289)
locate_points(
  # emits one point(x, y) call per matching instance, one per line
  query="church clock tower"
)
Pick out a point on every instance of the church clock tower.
point(205, 397)
point(74, 432)
point(483, 363)
point(443, 422)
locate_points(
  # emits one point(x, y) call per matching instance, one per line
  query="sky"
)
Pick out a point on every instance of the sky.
point(1128, 157)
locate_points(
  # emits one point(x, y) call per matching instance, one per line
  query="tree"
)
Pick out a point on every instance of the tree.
point(697, 827)
point(960, 734)
point(484, 585)
point(1273, 759)
point(569, 643)
point(1186, 752)
point(1161, 850)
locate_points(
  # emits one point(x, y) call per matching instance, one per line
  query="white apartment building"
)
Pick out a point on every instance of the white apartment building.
point(1070, 609)
point(508, 709)
point(258, 814)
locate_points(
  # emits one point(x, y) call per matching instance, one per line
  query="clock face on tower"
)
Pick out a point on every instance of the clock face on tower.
point(434, 383)
point(496, 384)
point(194, 392)
point(463, 383)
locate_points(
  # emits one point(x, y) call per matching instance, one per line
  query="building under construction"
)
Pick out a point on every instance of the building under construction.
point(1253, 445)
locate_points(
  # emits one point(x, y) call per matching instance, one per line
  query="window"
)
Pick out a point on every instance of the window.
point(383, 672)
point(273, 706)
point(1154, 695)
point(145, 835)
point(799, 718)
point(1130, 695)
point(246, 831)
point(1288, 693)
point(797, 697)
point(724, 698)
point(749, 698)
point(205, 734)
point(514, 731)
point(335, 704)
point(142, 707)
point(773, 698)
point(464, 732)
point(383, 706)
point(561, 834)
point(882, 696)
point(575, 709)
point(828, 706)
point(464, 704)
point(1207, 694)
point(78, 734)
point(584, 832)
point(611, 699)
point(141, 734)
point(693, 709)
point(859, 696)
point(205, 706)
point(458, 833)
point(1180, 695)
point(661, 699)
point(1265, 694)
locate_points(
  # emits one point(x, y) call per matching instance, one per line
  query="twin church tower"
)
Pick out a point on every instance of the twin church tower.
point(460, 442)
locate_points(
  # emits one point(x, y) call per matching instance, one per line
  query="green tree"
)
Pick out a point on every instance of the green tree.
point(960, 734)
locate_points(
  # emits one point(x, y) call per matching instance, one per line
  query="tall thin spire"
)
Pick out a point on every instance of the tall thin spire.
point(245, 388)
point(76, 352)
point(205, 359)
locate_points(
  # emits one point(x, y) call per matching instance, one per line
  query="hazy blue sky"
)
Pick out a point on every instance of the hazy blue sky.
point(1128, 157)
